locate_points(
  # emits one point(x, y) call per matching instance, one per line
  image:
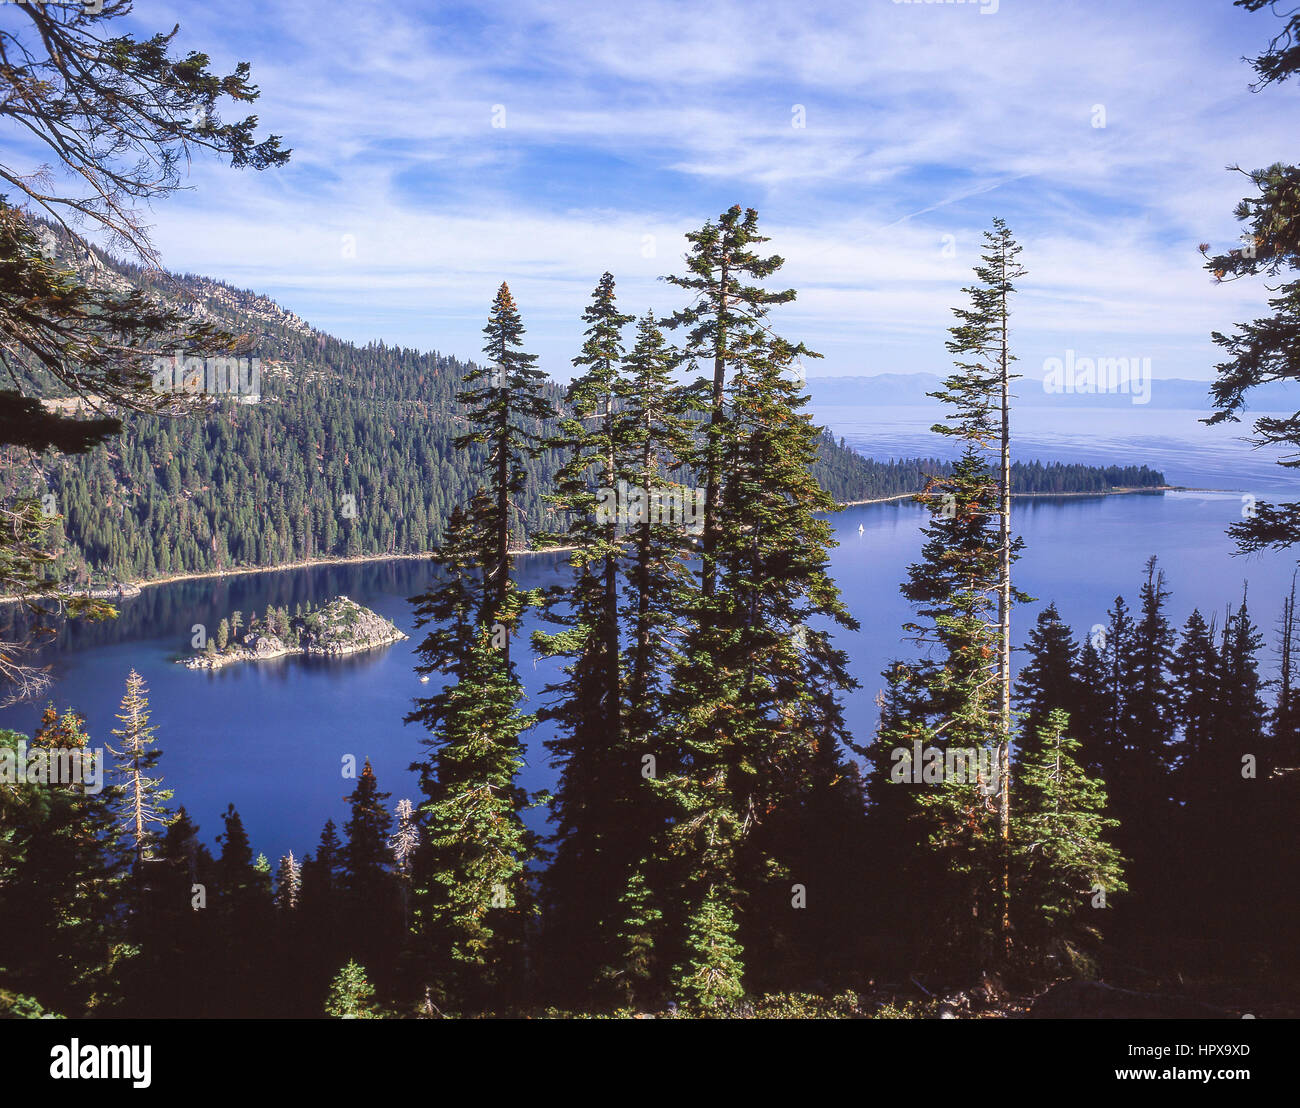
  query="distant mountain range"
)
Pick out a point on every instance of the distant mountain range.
point(906, 389)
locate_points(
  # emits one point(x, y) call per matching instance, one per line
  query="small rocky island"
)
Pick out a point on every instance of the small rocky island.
point(340, 627)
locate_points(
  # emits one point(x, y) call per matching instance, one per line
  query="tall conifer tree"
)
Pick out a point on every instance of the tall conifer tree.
point(727, 323)
point(655, 426)
point(1065, 866)
point(506, 411)
point(140, 808)
point(743, 695)
point(586, 874)
point(981, 342)
point(471, 893)
point(1047, 680)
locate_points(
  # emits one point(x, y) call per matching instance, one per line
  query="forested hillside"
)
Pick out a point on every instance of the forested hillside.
point(349, 451)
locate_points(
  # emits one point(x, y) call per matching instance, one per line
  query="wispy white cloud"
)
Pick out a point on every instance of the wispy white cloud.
point(626, 125)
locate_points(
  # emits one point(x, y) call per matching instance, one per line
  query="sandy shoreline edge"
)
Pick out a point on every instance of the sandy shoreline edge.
point(359, 559)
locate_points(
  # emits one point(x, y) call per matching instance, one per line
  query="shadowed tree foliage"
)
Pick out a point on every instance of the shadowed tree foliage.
point(63, 871)
point(120, 118)
point(1266, 349)
point(1047, 681)
point(754, 697)
point(1064, 867)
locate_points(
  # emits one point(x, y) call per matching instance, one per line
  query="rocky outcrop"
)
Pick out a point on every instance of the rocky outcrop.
point(341, 627)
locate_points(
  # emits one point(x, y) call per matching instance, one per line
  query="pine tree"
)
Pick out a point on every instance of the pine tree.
point(895, 829)
point(1266, 349)
point(365, 857)
point(1236, 826)
point(1241, 725)
point(179, 968)
point(586, 876)
point(403, 845)
point(472, 897)
point(351, 995)
point(321, 906)
point(369, 886)
point(1065, 866)
point(1196, 670)
point(63, 870)
point(1047, 681)
point(505, 415)
point(321, 880)
point(239, 884)
point(288, 883)
point(740, 691)
point(470, 894)
point(655, 426)
point(140, 811)
point(1114, 647)
point(726, 322)
point(244, 915)
point(711, 974)
point(638, 935)
point(406, 838)
point(954, 700)
point(262, 868)
point(743, 699)
point(981, 342)
point(1150, 704)
point(1285, 721)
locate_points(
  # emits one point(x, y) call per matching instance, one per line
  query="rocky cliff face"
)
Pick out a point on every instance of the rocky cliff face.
point(344, 626)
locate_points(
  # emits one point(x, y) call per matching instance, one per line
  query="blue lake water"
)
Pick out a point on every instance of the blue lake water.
point(271, 736)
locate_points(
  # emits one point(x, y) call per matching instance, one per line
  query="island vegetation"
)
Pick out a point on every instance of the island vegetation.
point(339, 627)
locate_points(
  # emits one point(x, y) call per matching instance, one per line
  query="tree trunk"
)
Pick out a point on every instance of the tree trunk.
point(502, 569)
point(1004, 624)
point(612, 668)
point(713, 462)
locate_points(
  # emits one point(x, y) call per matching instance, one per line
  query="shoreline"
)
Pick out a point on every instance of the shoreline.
point(1118, 491)
point(244, 571)
point(359, 559)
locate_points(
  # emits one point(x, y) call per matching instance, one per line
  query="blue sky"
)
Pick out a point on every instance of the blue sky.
point(626, 125)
